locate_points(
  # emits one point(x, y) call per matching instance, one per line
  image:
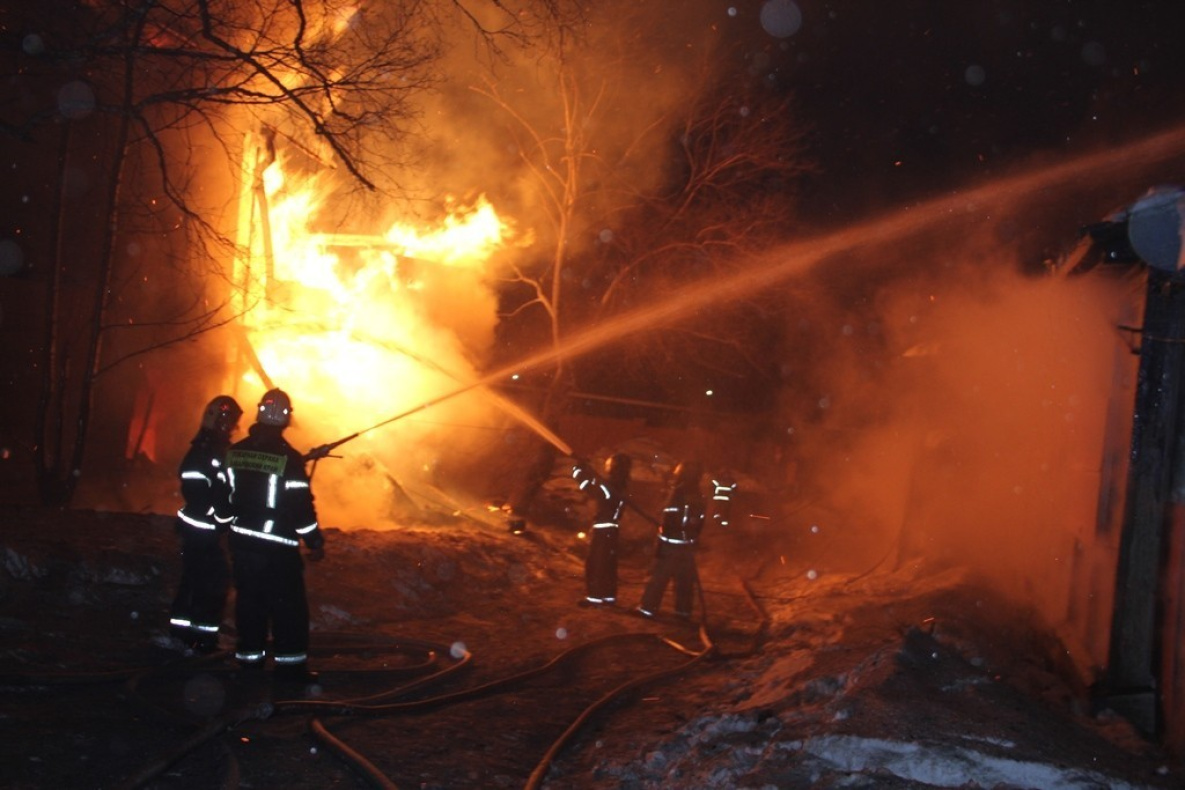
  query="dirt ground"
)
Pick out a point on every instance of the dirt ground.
point(431, 640)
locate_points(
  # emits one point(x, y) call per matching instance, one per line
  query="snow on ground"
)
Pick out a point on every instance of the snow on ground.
point(887, 682)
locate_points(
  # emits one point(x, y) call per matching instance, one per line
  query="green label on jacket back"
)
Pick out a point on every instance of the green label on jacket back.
point(254, 461)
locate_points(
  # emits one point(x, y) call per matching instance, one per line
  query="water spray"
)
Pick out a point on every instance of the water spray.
point(800, 257)
point(508, 406)
point(325, 450)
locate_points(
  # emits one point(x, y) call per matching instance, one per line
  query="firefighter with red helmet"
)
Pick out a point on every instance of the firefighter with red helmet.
point(608, 492)
point(271, 504)
point(196, 613)
point(678, 533)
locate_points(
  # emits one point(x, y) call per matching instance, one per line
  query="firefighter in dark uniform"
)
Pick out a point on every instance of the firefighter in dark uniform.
point(723, 491)
point(196, 613)
point(271, 503)
point(682, 521)
point(600, 567)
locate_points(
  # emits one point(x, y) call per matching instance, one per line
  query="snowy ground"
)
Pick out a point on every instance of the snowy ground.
point(860, 679)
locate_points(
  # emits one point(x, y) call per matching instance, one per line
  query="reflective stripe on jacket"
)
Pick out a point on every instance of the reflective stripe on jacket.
point(204, 485)
point(271, 500)
point(609, 503)
point(683, 517)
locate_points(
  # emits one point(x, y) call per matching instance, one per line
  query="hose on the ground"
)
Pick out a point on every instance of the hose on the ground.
point(365, 705)
point(536, 777)
point(347, 708)
point(352, 758)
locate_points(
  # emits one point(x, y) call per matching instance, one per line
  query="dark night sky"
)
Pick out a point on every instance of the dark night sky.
point(907, 97)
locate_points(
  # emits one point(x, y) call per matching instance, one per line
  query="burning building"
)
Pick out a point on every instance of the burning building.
point(360, 324)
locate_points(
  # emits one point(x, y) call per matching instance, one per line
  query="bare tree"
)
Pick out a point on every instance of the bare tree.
point(154, 80)
point(720, 189)
point(556, 163)
point(728, 195)
point(730, 189)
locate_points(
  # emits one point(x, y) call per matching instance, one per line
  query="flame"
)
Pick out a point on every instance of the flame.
point(467, 236)
point(361, 325)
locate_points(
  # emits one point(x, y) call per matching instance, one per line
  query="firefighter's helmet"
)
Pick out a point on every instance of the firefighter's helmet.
point(221, 414)
point(688, 473)
point(275, 408)
point(617, 468)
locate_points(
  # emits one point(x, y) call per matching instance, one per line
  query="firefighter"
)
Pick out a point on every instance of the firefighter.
point(600, 567)
point(196, 613)
point(723, 490)
point(272, 509)
point(682, 521)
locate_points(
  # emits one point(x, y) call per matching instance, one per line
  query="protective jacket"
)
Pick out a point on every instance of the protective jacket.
point(271, 498)
point(609, 503)
point(723, 492)
point(683, 517)
point(204, 485)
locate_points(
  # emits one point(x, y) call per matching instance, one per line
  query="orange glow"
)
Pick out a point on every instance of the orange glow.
point(464, 238)
point(363, 323)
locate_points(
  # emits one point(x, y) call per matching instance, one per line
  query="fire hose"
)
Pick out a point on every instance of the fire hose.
point(343, 750)
point(262, 711)
point(346, 707)
point(324, 450)
point(221, 725)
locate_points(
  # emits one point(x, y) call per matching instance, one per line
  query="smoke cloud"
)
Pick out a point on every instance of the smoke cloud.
point(951, 411)
point(359, 335)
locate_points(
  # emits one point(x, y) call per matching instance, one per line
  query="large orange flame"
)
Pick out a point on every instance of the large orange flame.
point(361, 325)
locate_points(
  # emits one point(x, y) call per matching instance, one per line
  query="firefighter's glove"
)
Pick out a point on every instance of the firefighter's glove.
point(317, 554)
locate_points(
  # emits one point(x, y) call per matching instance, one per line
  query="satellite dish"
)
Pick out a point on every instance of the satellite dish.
point(1155, 225)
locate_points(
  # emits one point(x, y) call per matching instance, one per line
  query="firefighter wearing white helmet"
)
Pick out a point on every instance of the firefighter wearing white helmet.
point(196, 613)
point(272, 509)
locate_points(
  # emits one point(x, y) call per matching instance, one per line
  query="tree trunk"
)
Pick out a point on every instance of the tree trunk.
point(51, 401)
point(102, 294)
point(1132, 674)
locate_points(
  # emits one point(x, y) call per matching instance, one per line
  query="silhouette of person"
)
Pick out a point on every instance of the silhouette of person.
point(272, 509)
point(196, 613)
point(600, 566)
point(678, 533)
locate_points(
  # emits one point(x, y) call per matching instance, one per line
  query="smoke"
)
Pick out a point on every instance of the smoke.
point(506, 129)
point(355, 343)
point(927, 384)
point(502, 130)
point(952, 411)
point(531, 131)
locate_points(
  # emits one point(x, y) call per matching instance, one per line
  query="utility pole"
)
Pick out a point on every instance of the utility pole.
point(1149, 232)
point(1132, 672)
